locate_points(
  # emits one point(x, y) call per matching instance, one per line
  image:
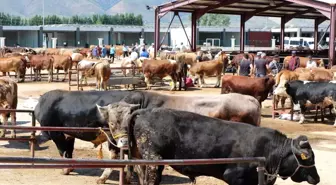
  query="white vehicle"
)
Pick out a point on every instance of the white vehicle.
point(293, 42)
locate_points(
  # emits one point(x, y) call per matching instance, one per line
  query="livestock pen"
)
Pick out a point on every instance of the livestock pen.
point(56, 163)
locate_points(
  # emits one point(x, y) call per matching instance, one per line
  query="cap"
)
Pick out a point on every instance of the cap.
point(293, 52)
point(259, 53)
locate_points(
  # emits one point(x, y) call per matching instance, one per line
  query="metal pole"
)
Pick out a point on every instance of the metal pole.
point(261, 173)
point(282, 34)
point(32, 142)
point(332, 36)
point(121, 172)
point(156, 32)
point(69, 129)
point(242, 33)
point(43, 13)
point(193, 32)
point(167, 31)
point(178, 15)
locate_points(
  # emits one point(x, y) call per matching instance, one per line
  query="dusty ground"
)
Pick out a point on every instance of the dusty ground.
point(322, 136)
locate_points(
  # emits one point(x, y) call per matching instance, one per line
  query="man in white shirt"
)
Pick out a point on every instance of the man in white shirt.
point(310, 63)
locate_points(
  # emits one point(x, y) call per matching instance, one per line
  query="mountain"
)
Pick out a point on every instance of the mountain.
point(29, 8)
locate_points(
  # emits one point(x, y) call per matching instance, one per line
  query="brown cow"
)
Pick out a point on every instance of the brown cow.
point(52, 51)
point(14, 64)
point(8, 100)
point(213, 67)
point(303, 62)
point(102, 71)
point(320, 74)
point(41, 62)
point(256, 87)
point(76, 58)
point(161, 69)
point(14, 55)
point(62, 63)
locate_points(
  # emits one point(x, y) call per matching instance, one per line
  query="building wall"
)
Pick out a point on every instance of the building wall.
point(213, 35)
point(228, 36)
point(68, 37)
point(92, 37)
point(11, 38)
point(149, 38)
point(28, 38)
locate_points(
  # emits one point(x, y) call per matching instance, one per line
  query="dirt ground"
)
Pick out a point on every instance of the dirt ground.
point(321, 135)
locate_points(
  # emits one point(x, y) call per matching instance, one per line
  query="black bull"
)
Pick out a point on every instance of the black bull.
point(78, 109)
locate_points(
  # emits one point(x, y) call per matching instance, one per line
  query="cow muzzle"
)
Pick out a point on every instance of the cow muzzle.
point(121, 139)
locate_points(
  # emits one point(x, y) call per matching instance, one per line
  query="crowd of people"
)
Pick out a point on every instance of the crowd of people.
point(261, 66)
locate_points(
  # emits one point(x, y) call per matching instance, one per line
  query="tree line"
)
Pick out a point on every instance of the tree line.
point(213, 20)
point(118, 19)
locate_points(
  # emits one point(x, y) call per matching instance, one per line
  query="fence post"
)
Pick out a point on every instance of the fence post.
point(32, 137)
point(121, 172)
point(261, 173)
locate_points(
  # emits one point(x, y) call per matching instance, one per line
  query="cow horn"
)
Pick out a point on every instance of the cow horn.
point(304, 144)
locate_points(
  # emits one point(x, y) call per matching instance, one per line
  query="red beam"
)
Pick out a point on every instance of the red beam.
point(282, 34)
point(242, 33)
point(201, 12)
point(312, 4)
point(70, 129)
point(193, 32)
point(173, 5)
point(290, 17)
point(251, 14)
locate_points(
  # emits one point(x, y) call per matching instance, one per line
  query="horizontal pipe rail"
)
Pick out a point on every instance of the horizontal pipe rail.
point(51, 166)
point(16, 110)
point(17, 139)
point(81, 129)
point(113, 163)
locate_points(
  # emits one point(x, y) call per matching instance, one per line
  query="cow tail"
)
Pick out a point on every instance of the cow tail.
point(277, 78)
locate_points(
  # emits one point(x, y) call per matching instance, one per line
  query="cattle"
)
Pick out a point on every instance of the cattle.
point(85, 51)
point(280, 80)
point(41, 62)
point(14, 54)
point(78, 109)
point(22, 50)
point(83, 67)
point(14, 64)
point(102, 71)
point(128, 62)
point(3, 51)
point(303, 62)
point(305, 94)
point(235, 62)
point(320, 74)
point(62, 63)
point(162, 68)
point(256, 87)
point(8, 100)
point(161, 133)
point(76, 58)
point(52, 51)
point(214, 67)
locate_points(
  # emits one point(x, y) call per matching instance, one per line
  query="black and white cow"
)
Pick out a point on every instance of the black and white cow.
point(78, 109)
point(305, 93)
point(161, 133)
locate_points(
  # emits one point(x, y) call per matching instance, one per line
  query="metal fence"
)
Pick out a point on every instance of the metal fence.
point(50, 163)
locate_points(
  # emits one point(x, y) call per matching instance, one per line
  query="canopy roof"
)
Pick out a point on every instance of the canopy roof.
point(308, 9)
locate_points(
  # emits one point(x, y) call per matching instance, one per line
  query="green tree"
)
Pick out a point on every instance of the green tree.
point(214, 20)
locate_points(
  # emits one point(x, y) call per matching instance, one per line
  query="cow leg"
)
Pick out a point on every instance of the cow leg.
point(57, 74)
point(201, 81)
point(283, 101)
point(35, 74)
point(5, 123)
point(65, 146)
point(49, 75)
point(334, 112)
point(235, 175)
point(302, 113)
point(173, 77)
point(107, 172)
point(147, 81)
point(65, 75)
point(316, 112)
point(13, 122)
point(218, 81)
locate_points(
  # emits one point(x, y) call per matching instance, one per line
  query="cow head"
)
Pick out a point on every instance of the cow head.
point(299, 164)
point(116, 116)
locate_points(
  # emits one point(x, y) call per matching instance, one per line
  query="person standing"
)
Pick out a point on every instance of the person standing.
point(274, 65)
point(94, 52)
point(104, 52)
point(245, 66)
point(261, 65)
point(294, 62)
point(144, 53)
point(112, 52)
point(125, 51)
point(310, 63)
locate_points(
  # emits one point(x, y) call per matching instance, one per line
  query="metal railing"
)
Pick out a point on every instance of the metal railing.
point(49, 163)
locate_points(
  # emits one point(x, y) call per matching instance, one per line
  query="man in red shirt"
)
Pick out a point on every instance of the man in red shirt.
point(294, 62)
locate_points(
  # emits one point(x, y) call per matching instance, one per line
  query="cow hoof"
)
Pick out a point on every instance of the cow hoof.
point(101, 181)
point(63, 80)
point(66, 171)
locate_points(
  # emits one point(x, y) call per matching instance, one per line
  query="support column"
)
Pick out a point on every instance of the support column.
point(18, 38)
point(111, 33)
point(100, 42)
point(77, 37)
point(233, 42)
point(298, 33)
point(242, 33)
point(316, 25)
point(197, 37)
point(223, 36)
point(193, 31)
point(169, 39)
point(332, 56)
point(54, 42)
point(1, 31)
point(40, 37)
point(156, 32)
point(2, 42)
point(282, 34)
point(119, 38)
